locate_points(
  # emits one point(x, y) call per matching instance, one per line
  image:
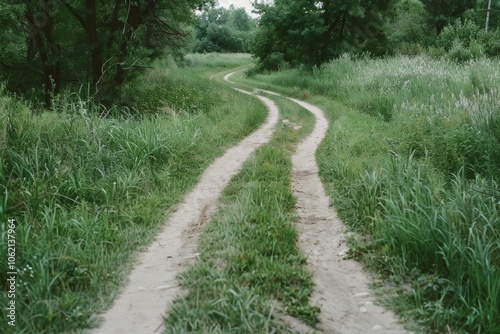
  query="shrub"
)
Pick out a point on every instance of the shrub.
point(467, 41)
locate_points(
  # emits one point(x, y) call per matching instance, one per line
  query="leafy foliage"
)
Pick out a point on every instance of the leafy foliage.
point(466, 41)
point(307, 32)
point(312, 32)
point(443, 12)
point(87, 41)
point(223, 30)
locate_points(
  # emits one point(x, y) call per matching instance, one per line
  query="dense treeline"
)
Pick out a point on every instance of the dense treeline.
point(309, 32)
point(96, 42)
point(51, 44)
point(223, 30)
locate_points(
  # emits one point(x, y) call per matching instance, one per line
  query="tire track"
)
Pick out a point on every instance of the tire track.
point(341, 286)
point(152, 285)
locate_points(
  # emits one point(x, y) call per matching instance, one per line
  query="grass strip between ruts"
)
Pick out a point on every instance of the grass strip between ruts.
point(248, 252)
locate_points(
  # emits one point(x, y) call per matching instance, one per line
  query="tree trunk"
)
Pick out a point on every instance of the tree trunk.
point(48, 70)
point(95, 49)
point(55, 68)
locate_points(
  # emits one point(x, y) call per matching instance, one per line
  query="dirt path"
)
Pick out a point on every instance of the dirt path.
point(152, 284)
point(341, 286)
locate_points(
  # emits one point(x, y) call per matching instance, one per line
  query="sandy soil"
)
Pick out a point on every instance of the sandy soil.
point(152, 285)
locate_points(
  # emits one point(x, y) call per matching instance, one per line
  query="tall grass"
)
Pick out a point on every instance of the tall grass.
point(412, 163)
point(88, 187)
point(448, 112)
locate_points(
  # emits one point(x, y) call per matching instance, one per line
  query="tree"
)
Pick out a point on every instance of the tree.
point(94, 41)
point(312, 32)
point(407, 29)
point(223, 30)
point(443, 12)
point(478, 14)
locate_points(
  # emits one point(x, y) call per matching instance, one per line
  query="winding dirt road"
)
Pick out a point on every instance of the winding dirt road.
point(341, 286)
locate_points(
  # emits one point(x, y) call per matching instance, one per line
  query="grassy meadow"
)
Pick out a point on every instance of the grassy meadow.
point(412, 163)
point(88, 187)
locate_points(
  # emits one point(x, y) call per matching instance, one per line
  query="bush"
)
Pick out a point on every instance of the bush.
point(467, 41)
point(459, 53)
point(272, 62)
point(491, 40)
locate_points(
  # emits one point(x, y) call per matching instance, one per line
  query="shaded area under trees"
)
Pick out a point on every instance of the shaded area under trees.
point(88, 42)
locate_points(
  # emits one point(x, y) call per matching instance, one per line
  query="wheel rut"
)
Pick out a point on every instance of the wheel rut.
point(152, 285)
point(341, 285)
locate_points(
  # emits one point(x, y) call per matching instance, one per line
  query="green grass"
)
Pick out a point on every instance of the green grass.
point(411, 162)
point(88, 187)
point(249, 256)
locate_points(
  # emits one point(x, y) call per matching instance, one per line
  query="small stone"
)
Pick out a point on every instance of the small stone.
point(142, 289)
point(377, 328)
point(163, 287)
point(361, 294)
point(343, 252)
point(363, 310)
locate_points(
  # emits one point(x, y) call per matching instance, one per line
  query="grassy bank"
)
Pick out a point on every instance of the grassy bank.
point(412, 162)
point(88, 187)
point(248, 253)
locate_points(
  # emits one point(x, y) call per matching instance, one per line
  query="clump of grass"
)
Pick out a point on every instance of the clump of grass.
point(248, 251)
point(88, 187)
point(451, 237)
